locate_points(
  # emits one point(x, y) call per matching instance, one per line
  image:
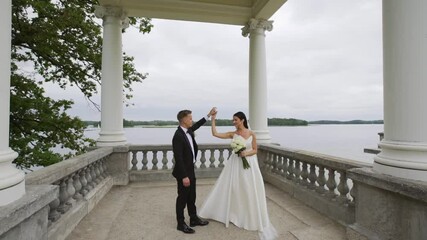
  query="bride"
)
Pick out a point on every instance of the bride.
point(238, 195)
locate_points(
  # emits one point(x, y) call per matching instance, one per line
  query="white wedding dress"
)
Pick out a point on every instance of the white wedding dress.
point(238, 196)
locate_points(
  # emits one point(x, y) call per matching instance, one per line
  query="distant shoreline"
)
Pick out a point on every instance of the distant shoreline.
point(272, 122)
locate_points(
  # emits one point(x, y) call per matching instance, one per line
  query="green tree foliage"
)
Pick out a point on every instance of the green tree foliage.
point(286, 122)
point(61, 41)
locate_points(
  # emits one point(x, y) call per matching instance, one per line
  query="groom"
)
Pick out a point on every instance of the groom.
point(185, 154)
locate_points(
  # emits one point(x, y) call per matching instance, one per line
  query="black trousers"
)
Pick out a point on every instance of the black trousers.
point(186, 197)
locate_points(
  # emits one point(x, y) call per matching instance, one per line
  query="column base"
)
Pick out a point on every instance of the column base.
point(12, 180)
point(262, 136)
point(108, 139)
point(402, 159)
point(11, 194)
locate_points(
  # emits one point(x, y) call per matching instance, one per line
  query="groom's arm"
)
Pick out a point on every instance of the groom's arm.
point(199, 123)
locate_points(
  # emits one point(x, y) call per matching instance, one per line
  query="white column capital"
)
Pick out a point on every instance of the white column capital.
point(109, 11)
point(259, 25)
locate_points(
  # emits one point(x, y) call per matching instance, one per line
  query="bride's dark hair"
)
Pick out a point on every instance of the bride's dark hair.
point(242, 116)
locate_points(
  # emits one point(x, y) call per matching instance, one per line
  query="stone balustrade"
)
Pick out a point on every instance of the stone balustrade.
point(79, 179)
point(155, 162)
point(319, 180)
point(331, 185)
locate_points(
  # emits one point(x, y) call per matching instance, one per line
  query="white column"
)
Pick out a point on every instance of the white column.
point(12, 180)
point(112, 134)
point(404, 147)
point(258, 77)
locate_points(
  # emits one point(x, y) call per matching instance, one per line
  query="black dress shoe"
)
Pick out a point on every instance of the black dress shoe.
point(185, 228)
point(198, 222)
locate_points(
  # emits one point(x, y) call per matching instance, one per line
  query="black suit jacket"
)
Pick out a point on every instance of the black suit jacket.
point(184, 165)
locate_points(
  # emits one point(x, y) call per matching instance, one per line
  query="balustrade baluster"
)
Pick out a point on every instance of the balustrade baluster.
point(271, 162)
point(84, 190)
point(165, 160)
point(297, 171)
point(95, 180)
point(104, 165)
point(321, 180)
point(155, 161)
point(101, 168)
point(54, 215)
point(202, 159)
point(331, 183)
point(285, 166)
point(89, 185)
point(265, 165)
point(270, 165)
point(63, 196)
point(304, 174)
point(290, 169)
point(97, 171)
point(353, 194)
point(134, 160)
point(221, 158)
point(279, 164)
point(275, 163)
point(262, 157)
point(70, 190)
point(343, 187)
point(77, 186)
point(144, 160)
point(312, 176)
point(212, 158)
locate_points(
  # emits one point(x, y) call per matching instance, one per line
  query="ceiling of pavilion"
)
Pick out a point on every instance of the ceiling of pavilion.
point(235, 12)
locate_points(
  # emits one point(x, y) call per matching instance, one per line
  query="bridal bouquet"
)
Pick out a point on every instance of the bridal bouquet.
point(238, 146)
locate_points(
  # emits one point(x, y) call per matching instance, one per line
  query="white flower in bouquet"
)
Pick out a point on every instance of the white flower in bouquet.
point(238, 146)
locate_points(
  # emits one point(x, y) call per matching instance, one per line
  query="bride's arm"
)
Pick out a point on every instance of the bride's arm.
point(217, 134)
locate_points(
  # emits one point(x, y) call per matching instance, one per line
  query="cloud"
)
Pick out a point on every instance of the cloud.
point(324, 61)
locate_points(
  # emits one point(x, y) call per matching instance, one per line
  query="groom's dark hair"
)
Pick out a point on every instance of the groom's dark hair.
point(182, 114)
point(242, 116)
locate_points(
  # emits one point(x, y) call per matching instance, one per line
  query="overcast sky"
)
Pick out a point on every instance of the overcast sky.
point(324, 61)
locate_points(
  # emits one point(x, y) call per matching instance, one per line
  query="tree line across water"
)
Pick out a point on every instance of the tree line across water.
point(228, 122)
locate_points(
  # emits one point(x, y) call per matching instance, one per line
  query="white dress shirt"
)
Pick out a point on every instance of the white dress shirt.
point(190, 139)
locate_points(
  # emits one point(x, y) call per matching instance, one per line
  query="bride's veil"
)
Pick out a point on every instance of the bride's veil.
point(249, 126)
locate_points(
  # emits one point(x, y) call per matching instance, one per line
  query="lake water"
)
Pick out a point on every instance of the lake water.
point(341, 140)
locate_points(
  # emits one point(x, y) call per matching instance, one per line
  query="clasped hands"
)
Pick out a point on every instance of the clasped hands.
point(212, 113)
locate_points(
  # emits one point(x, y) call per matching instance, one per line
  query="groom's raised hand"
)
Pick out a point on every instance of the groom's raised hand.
point(212, 112)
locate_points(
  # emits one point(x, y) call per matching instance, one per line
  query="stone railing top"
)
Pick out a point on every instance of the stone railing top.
point(36, 198)
point(169, 147)
point(407, 187)
point(315, 158)
point(55, 172)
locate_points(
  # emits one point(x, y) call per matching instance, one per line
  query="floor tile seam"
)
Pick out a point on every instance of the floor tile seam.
point(290, 213)
point(119, 211)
